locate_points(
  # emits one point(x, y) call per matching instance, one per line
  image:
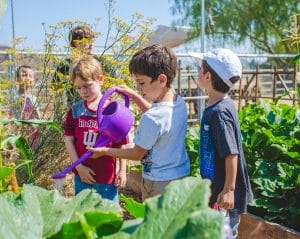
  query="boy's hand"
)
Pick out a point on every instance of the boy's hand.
point(121, 179)
point(86, 174)
point(226, 199)
point(97, 152)
point(126, 90)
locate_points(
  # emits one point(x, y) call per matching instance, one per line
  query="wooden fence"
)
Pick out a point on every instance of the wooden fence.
point(255, 84)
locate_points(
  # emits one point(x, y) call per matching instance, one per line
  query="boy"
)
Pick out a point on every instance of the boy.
point(82, 43)
point(25, 103)
point(221, 153)
point(160, 138)
point(81, 130)
point(27, 109)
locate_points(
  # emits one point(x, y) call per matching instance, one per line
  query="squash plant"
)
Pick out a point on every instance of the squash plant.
point(271, 141)
point(181, 212)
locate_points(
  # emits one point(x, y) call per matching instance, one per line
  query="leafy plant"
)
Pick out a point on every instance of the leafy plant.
point(192, 146)
point(135, 209)
point(271, 141)
point(181, 212)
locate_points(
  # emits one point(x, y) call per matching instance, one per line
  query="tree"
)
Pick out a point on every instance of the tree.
point(265, 23)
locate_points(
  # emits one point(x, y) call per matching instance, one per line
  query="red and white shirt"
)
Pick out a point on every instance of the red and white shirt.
point(81, 122)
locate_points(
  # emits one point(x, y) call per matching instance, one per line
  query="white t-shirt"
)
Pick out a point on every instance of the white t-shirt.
point(162, 131)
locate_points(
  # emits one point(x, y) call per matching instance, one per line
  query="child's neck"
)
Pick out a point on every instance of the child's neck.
point(93, 105)
point(214, 96)
point(167, 95)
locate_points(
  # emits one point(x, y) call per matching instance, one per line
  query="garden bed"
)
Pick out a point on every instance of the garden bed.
point(255, 227)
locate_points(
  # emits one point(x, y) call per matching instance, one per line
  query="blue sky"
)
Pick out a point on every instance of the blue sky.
point(30, 14)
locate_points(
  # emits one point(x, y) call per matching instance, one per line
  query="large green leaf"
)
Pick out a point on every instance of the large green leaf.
point(167, 215)
point(39, 213)
point(135, 209)
point(202, 224)
point(91, 225)
point(34, 123)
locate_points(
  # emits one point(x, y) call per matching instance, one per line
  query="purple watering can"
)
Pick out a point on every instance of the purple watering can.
point(114, 123)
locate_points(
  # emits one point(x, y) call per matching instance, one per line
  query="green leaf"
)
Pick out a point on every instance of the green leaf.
point(208, 224)
point(44, 212)
point(296, 59)
point(34, 122)
point(167, 215)
point(91, 225)
point(5, 172)
point(135, 209)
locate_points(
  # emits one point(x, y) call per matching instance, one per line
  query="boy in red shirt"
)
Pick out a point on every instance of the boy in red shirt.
point(81, 132)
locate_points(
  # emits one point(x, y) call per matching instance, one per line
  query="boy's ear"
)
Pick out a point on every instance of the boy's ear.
point(101, 79)
point(162, 79)
point(208, 75)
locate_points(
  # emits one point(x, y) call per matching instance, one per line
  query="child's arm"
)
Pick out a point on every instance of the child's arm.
point(121, 175)
point(226, 197)
point(85, 173)
point(135, 153)
point(143, 104)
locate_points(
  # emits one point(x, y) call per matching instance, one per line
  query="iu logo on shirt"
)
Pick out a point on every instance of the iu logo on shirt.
point(89, 138)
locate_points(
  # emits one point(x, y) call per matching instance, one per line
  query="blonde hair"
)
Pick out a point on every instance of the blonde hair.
point(85, 67)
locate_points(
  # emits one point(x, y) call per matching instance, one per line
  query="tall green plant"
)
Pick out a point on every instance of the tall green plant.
point(271, 141)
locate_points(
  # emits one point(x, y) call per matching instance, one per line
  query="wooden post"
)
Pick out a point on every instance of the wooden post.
point(240, 95)
point(189, 95)
point(294, 85)
point(179, 77)
point(274, 83)
point(256, 84)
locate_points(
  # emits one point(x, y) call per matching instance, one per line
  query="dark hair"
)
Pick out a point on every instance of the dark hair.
point(79, 33)
point(20, 67)
point(153, 61)
point(217, 83)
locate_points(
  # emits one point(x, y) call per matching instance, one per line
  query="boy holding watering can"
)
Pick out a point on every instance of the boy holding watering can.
point(81, 131)
point(160, 137)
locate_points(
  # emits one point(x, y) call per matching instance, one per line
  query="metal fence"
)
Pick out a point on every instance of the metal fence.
point(262, 78)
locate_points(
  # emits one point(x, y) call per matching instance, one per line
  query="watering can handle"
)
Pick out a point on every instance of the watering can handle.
point(105, 97)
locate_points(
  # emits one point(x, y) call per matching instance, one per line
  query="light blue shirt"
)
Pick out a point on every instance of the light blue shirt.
point(162, 131)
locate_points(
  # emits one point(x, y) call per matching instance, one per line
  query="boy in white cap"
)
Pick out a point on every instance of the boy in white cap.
point(221, 154)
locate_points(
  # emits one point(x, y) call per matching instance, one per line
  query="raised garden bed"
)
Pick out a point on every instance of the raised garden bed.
point(255, 227)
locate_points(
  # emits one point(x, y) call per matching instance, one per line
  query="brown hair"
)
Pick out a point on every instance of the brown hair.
point(18, 70)
point(79, 33)
point(153, 61)
point(85, 67)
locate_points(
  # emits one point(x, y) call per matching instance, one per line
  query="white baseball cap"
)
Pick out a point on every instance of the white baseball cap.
point(223, 61)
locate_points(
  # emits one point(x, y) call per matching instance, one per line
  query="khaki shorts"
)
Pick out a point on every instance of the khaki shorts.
point(152, 188)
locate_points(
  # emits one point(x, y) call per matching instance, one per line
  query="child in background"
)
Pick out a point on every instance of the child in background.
point(25, 105)
point(221, 154)
point(82, 43)
point(160, 137)
point(81, 132)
